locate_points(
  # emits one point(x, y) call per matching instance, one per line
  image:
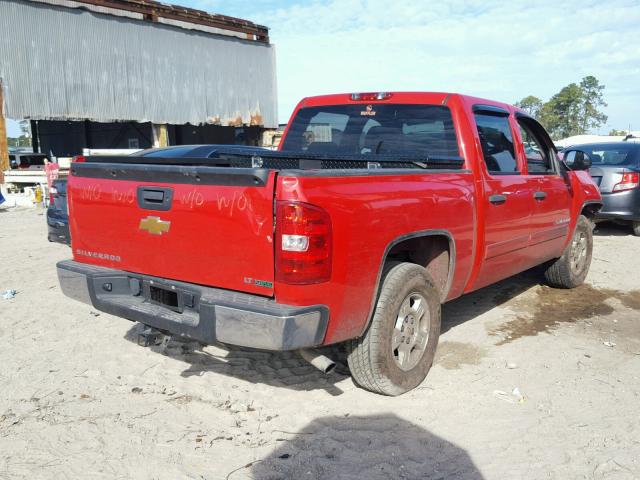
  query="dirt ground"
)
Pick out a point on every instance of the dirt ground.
point(80, 399)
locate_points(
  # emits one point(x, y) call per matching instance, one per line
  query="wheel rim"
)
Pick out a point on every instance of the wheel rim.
point(579, 249)
point(411, 331)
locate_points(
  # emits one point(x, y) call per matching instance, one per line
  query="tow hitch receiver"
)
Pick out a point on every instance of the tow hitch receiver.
point(148, 336)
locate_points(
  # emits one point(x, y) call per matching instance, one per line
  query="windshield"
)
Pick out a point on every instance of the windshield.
point(418, 130)
point(625, 155)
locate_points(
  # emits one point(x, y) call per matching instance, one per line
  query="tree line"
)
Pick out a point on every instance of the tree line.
point(574, 110)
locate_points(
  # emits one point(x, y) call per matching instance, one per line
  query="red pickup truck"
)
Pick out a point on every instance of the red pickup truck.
point(377, 208)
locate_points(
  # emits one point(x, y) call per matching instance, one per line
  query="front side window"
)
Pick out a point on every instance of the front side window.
point(364, 129)
point(539, 155)
point(497, 143)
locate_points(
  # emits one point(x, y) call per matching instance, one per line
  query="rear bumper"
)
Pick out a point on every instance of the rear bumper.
point(620, 205)
point(199, 313)
point(59, 233)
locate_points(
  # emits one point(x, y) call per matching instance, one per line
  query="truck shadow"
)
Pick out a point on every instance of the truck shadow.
point(289, 370)
point(372, 447)
point(278, 369)
point(612, 229)
point(476, 303)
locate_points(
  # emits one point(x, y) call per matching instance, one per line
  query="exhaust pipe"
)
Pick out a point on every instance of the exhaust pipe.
point(318, 360)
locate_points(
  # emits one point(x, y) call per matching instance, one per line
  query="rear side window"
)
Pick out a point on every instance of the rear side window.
point(365, 129)
point(497, 143)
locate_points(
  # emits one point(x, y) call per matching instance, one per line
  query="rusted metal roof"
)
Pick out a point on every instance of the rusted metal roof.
point(61, 63)
point(170, 14)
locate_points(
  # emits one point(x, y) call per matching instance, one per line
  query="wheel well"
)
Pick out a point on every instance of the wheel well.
point(590, 209)
point(434, 252)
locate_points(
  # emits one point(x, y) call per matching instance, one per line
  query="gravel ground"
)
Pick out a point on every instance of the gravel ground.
point(79, 398)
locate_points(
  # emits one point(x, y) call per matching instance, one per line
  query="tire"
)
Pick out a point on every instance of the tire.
point(570, 270)
point(408, 299)
point(635, 226)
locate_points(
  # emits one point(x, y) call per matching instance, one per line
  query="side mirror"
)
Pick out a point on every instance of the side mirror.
point(576, 160)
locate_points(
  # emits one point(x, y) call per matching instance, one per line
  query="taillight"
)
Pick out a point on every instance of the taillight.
point(303, 243)
point(79, 158)
point(629, 181)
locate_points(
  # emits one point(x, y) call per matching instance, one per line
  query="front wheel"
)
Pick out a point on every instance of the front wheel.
point(396, 353)
point(570, 270)
point(635, 225)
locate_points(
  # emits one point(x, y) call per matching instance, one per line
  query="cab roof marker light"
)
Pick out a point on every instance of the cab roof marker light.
point(368, 97)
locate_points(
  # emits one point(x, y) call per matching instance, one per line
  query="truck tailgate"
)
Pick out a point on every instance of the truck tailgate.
point(207, 225)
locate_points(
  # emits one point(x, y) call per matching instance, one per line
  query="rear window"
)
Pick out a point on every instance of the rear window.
point(32, 160)
point(421, 130)
point(625, 155)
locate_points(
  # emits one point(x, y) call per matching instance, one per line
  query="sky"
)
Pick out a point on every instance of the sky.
point(493, 49)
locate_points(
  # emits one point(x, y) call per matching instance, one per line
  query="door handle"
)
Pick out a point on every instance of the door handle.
point(539, 195)
point(498, 199)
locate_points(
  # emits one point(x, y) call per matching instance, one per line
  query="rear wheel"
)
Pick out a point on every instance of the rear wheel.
point(396, 353)
point(570, 270)
point(636, 228)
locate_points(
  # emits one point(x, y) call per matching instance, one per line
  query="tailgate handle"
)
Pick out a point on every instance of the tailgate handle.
point(155, 198)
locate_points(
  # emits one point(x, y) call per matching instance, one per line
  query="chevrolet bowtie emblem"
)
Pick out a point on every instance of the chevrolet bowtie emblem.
point(154, 225)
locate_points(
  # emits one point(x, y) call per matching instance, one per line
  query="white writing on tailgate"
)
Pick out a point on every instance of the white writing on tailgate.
point(192, 199)
point(238, 202)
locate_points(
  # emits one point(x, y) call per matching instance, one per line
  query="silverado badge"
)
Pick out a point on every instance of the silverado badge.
point(154, 225)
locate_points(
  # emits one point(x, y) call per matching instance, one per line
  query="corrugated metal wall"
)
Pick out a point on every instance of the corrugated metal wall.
point(61, 63)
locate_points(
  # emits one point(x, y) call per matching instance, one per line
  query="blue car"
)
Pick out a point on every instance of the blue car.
point(57, 213)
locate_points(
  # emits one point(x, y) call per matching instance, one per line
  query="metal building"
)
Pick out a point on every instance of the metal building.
point(148, 72)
